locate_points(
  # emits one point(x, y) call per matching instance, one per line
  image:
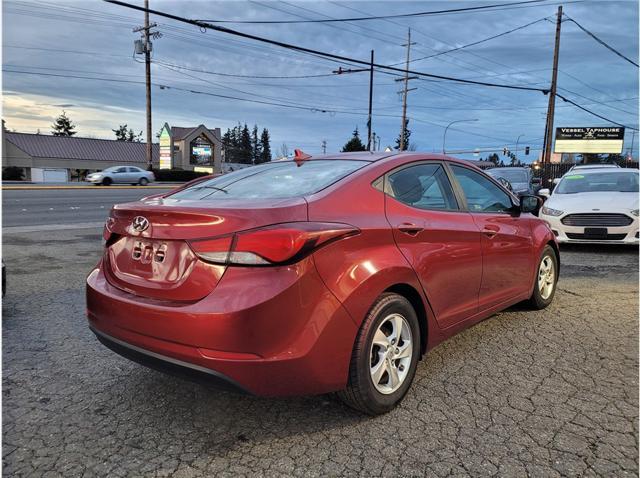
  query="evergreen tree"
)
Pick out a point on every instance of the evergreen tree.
point(494, 158)
point(591, 158)
point(256, 146)
point(265, 146)
point(122, 134)
point(407, 134)
point(354, 144)
point(245, 149)
point(63, 126)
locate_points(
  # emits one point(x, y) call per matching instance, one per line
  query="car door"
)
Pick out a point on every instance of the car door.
point(507, 243)
point(134, 174)
point(439, 240)
point(120, 175)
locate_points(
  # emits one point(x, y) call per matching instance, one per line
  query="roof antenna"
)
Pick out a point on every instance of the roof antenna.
point(300, 156)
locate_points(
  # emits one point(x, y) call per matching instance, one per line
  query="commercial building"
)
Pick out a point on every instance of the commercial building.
point(45, 158)
point(194, 148)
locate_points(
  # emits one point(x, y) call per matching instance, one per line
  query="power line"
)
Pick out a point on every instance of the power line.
point(475, 42)
point(563, 98)
point(602, 42)
point(380, 17)
point(311, 51)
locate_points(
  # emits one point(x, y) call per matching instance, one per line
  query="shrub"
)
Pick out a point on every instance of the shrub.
point(13, 173)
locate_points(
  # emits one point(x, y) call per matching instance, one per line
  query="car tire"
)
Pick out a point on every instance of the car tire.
point(143, 181)
point(394, 315)
point(546, 279)
point(106, 182)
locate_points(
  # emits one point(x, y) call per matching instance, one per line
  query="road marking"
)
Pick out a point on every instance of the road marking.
point(51, 227)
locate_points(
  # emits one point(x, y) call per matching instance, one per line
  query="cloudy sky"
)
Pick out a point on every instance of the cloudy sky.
point(46, 44)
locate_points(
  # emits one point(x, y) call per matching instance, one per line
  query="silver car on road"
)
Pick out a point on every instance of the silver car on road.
point(122, 175)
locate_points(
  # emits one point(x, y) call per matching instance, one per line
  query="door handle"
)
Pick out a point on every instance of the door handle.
point(490, 231)
point(410, 229)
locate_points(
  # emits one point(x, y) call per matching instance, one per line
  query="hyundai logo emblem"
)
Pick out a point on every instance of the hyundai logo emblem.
point(140, 224)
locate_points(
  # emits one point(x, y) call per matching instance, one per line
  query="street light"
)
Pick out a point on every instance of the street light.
point(517, 141)
point(444, 136)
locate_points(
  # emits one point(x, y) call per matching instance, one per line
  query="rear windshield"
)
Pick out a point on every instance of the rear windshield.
point(511, 175)
point(622, 181)
point(273, 180)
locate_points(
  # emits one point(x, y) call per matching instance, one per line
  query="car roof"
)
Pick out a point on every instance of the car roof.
point(392, 155)
point(595, 166)
point(600, 170)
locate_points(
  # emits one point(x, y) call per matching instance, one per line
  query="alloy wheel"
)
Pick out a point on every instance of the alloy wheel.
point(546, 277)
point(391, 353)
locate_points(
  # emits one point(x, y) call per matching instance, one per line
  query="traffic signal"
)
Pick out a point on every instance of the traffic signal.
point(526, 150)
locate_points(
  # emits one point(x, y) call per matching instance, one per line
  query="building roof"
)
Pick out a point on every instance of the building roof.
point(70, 147)
point(180, 132)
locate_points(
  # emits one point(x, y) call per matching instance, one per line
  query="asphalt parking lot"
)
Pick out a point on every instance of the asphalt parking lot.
point(551, 393)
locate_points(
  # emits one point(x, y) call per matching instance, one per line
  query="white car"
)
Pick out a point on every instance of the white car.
point(121, 175)
point(594, 205)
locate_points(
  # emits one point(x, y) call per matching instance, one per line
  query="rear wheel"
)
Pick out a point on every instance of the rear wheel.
point(143, 181)
point(385, 356)
point(546, 279)
point(106, 182)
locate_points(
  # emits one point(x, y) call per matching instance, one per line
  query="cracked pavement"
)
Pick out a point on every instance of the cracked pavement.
point(550, 393)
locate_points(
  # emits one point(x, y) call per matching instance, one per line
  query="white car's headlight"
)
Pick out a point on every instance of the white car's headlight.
point(635, 212)
point(551, 212)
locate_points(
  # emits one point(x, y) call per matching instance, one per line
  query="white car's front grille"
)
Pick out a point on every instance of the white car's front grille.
point(597, 219)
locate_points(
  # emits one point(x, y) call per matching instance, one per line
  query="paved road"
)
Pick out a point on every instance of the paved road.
point(64, 206)
point(551, 393)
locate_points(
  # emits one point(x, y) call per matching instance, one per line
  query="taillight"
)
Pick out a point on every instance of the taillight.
point(278, 244)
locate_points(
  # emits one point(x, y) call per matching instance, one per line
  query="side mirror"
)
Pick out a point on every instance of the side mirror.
point(544, 192)
point(529, 203)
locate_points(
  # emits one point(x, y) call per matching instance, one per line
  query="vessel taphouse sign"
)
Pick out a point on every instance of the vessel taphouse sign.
point(602, 139)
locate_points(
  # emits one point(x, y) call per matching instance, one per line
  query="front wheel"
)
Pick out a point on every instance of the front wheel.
point(106, 182)
point(546, 279)
point(384, 357)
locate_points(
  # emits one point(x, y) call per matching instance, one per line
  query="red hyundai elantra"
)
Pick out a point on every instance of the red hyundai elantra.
point(315, 275)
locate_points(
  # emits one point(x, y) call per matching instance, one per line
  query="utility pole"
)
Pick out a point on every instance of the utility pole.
point(548, 140)
point(405, 90)
point(370, 103)
point(324, 146)
point(146, 48)
point(340, 71)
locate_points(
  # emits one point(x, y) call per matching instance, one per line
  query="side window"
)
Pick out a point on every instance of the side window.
point(134, 170)
point(120, 170)
point(482, 194)
point(425, 186)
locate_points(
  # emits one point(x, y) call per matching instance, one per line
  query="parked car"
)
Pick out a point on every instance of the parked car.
point(122, 175)
point(317, 275)
point(520, 178)
point(594, 205)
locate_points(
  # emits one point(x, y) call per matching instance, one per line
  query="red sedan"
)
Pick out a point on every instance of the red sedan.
point(315, 275)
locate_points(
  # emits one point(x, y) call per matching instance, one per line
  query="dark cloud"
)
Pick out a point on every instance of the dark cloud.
point(98, 40)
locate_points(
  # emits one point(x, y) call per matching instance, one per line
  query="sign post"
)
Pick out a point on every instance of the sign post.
point(590, 140)
point(165, 149)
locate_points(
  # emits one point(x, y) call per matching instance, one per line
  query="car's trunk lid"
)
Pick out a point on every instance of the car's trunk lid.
point(149, 253)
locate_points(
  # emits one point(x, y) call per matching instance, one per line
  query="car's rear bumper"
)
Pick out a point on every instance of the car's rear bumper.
point(267, 336)
point(168, 365)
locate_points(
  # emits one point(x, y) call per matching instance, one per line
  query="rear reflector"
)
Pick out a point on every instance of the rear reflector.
point(278, 244)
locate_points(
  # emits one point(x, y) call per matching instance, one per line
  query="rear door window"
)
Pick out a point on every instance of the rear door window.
point(424, 186)
point(282, 179)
